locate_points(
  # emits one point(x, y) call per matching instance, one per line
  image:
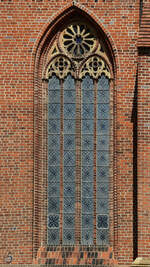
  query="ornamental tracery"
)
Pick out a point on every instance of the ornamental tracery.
point(76, 50)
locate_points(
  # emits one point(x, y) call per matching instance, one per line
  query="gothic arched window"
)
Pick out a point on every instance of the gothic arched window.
point(78, 126)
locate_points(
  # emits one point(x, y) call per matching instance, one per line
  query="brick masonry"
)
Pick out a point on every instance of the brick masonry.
point(25, 27)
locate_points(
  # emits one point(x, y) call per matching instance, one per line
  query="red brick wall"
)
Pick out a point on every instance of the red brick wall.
point(144, 153)
point(23, 23)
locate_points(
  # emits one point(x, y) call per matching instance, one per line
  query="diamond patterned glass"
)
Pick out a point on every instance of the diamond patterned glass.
point(53, 205)
point(102, 158)
point(53, 142)
point(87, 142)
point(69, 126)
point(87, 126)
point(68, 236)
point(87, 236)
point(69, 221)
point(102, 142)
point(87, 111)
point(103, 174)
point(69, 161)
point(87, 221)
point(53, 174)
point(69, 205)
point(88, 96)
point(87, 205)
point(103, 111)
point(53, 83)
point(87, 137)
point(103, 127)
point(87, 190)
point(103, 83)
point(102, 221)
point(102, 190)
point(69, 174)
point(53, 189)
point(102, 237)
point(102, 205)
point(87, 83)
point(69, 83)
point(53, 126)
point(69, 189)
point(103, 97)
point(87, 174)
point(54, 96)
point(87, 158)
point(69, 96)
point(69, 158)
point(69, 142)
point(53, 221)
point(53, 236)
point(54, 105)
point(53, 158)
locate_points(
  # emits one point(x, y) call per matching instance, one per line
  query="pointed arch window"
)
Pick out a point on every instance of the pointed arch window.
point(78, 138)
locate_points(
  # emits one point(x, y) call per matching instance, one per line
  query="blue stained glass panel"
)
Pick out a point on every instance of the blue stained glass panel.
point(53, 205)
point(103, 111)
point(53, 126)
point(88, 96)
point(103, 83)
point(87, 142)
point(102, 205)
point(87, 189)
point(69, 126)
point(69, 221)
point(102, 142)
point(54, 111)
point(87, 236)
point(102, 221)
point(69, 174)
point(87, 111)
point(102, 237)
point(69, 189)
point(103, 174)
point(87, 126)
point(69, 83)
point(69, 158)
point(102, 190)
point(102, 158)
point(87, 83)
point(69, 205)
point(53, 221)
point(53, 236)
point(87, 174)
point(53, 83)
point(69, 96)
point(69, 111)
point(87, 158)
point(68, 236)
point(53, 142)
point(54, 96)
point(87, 205)
point(69, 142)
point(103, 97)
point(103, 127)
point(53, 189)
point(53, 157)
point(87, 221)
point(53, 174)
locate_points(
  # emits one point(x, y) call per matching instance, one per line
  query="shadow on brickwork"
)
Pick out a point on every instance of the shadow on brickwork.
point(135, 186)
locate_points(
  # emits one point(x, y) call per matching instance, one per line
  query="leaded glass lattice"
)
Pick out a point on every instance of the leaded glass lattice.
point(53, 160)
point(78, 137)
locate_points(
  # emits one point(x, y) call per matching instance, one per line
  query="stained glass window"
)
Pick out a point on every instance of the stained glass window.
point(78, 142)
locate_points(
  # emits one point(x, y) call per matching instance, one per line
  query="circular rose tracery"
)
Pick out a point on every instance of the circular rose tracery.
point(78, 40)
